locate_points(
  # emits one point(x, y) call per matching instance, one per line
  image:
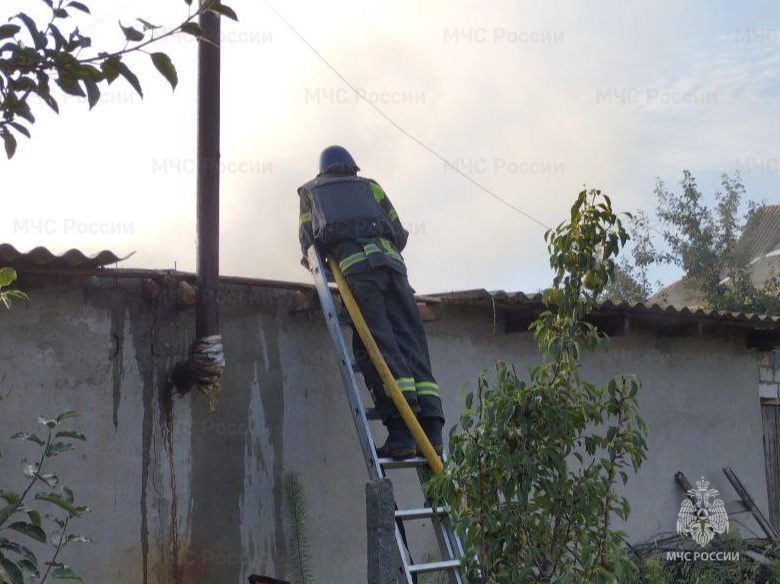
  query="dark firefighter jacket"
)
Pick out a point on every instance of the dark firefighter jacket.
point(361, 253)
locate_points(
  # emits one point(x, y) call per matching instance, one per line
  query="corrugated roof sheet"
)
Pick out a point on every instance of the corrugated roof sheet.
point(677, 294)
point(42, 257)
point(503, 298)
point(763, 233)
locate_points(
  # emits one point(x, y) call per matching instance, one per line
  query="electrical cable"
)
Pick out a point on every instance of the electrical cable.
point(396, 125)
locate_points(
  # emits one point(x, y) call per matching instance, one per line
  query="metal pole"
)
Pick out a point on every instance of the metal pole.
point(207, 310)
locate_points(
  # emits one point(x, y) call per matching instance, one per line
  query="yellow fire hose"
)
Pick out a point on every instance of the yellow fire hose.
point(384, 371)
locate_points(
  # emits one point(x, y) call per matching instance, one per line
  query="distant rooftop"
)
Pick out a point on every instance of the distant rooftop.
point(762, 240)
point(533, 301)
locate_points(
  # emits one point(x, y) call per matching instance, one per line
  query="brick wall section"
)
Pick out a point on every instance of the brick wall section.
point(769, 375)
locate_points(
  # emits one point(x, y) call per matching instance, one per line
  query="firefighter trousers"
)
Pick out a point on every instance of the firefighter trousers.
point(387, 303)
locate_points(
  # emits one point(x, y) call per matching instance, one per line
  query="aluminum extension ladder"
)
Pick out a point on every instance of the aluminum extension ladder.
point(449, 542)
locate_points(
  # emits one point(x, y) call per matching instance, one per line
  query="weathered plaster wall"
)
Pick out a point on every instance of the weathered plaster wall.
point(96, 346)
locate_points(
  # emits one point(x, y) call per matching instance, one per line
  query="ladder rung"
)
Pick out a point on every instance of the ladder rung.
point(437, 566)
point(373, 414)
point(402, 463)
point(418, 513)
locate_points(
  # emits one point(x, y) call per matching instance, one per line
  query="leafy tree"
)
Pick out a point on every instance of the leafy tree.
point(35, 54)
point(631, 280)
point(531, 477)
point(711, 244)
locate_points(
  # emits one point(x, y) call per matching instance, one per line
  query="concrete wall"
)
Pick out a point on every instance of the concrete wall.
point(94, 345)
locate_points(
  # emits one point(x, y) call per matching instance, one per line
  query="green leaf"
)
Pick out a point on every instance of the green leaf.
point(10, 497)
point(30, 530)
point(65, 572)
point(19, 549)
point(194, 29)
point(131, 34)
point(30, 567)
point(11, 570)
point(79, 6)
point(58, 500)
point(39, 39)
point(20, 129)
point(113, 68)
point(219, 8)
point(70, 86)
point(93, 92)
point(7, 276)
point(59, 38)
point(109, 69)
point(29, 437)
point(66, 415)
point(34, 516)
point(10, 144)
point(71, 435)
point(9, 30)
point(49, 101)
point(17, 294)
point(165, 66)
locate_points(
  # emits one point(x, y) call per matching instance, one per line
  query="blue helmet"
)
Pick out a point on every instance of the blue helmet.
point(337, 159)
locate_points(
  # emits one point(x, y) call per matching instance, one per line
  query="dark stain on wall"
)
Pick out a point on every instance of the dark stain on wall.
point(272, 396)
point(118, 304)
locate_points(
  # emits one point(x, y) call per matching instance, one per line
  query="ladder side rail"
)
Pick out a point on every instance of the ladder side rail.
point(404, 556)
point(448, 541)
point(345, 364)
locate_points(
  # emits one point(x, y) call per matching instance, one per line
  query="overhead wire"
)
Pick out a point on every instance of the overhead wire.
point(405, 132)
point(398, 126)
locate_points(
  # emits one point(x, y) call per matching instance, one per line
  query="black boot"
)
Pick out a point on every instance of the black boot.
point(433, 430)
point(400, 443)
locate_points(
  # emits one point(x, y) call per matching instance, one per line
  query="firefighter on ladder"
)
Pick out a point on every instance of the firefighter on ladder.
point(353, 221)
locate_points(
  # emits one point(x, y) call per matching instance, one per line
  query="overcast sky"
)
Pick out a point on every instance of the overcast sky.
point(533, 99)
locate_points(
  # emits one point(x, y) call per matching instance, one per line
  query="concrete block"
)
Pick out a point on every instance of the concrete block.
point(768, 391)
point(383, 552)
point(777, 358)
point(765, 359)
